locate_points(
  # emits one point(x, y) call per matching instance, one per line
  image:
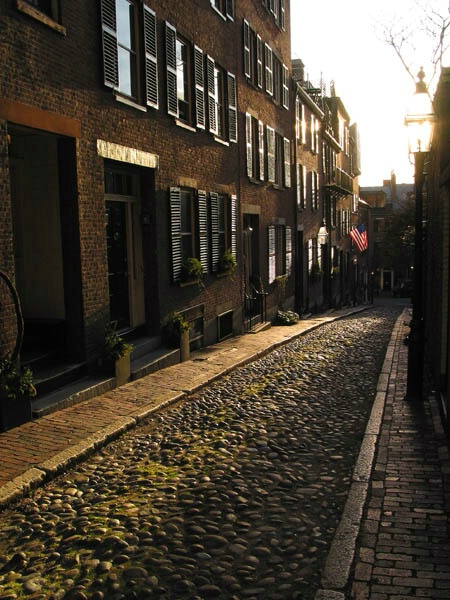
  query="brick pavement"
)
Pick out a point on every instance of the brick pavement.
point(403, 550)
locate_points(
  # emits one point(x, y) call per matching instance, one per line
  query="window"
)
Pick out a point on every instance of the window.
point(268, 62)
point(314, 134)
point(223, 227)
point(280, 82)
point(189, 228)
point(313, 255)
point(129, 50)
point(279, 251)
point(185, 79)
point(224, 7)
point(253, 56)
point(314, 190)
point(301, 185)
point(277, 10)
point(255, 147)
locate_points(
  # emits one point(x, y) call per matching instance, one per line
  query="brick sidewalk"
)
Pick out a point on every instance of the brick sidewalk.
point(403, 550)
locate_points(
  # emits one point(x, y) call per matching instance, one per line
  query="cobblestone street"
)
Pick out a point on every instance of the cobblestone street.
point(233, 493)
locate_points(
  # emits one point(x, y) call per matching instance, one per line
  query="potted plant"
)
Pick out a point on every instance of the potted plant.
point(227, 262)
point(117, 353)
point(16, 385)
point(176, 329)
point(191, 271)
point(286, 317)
point(16, 391)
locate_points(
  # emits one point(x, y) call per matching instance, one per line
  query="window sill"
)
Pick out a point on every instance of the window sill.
point(189, 282)
point(221, 141)
point(29, 10)
point(129, 102)
point(184, 125)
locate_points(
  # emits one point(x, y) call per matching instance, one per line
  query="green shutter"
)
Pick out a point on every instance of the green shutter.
point(271, 251)
point(234, 224)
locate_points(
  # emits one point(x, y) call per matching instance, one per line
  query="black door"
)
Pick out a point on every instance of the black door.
point(116, 235)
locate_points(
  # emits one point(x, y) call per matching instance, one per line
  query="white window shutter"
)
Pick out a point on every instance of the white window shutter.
point(151, 57)
point(288, 246)
point(232, 108)
point(199, 78)
point(247, 54)
point(171, 70)
point(262, 173)
point(270, 153)
point(287, 162)
point(109, 40)
point(249, 144)
point(285, 87)
point(211, 86)
point(271, 253)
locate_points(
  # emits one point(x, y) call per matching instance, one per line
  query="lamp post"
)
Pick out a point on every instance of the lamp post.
point(419, 121)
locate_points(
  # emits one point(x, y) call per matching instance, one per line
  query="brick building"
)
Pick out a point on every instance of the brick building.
point(139, 137)
point(123, 156)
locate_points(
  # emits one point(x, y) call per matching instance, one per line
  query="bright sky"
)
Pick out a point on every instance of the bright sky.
point(339, 42)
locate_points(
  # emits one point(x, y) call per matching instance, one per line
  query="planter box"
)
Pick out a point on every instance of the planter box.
point(122, 369)
point(13, 412)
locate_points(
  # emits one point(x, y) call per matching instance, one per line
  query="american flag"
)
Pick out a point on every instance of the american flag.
point(359, 236)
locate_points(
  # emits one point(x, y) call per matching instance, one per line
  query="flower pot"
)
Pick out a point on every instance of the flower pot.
point(122, 369)
point(185, 352)
point(13, 411)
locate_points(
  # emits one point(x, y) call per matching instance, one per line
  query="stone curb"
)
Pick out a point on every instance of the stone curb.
point(342, 551)
point(42, 473)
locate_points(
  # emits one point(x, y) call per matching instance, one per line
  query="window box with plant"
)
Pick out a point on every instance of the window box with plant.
point(227, 263)
point(191, 271)
point(117, 354)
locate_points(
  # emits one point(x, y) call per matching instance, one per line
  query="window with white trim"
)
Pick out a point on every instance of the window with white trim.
point(277, 10)
point(314, 130)
point(314, 190)
point(279, 251)
point(300, 185)
point(254, 131)
point(253, 55)
point(130, 66)
point(224, 7)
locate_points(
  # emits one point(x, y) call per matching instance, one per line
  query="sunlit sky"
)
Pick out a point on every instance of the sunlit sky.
point(341, 42)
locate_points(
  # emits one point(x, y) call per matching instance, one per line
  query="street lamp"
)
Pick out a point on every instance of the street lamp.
point(419, 121)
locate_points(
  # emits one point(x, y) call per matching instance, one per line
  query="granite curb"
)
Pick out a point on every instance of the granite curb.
point(47, 470)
